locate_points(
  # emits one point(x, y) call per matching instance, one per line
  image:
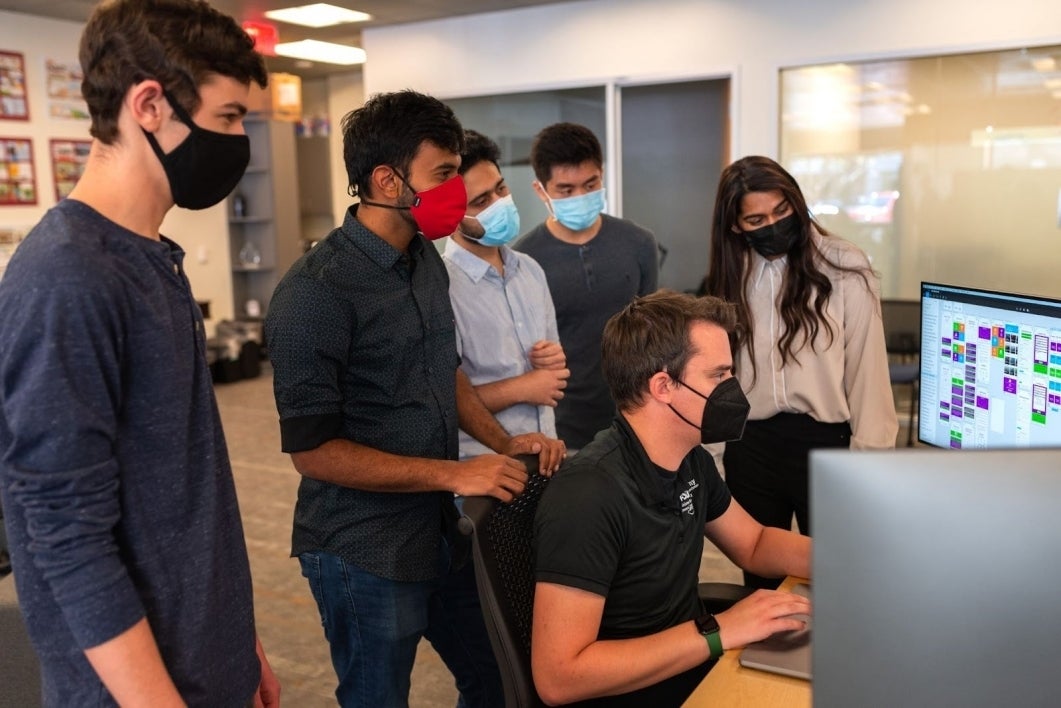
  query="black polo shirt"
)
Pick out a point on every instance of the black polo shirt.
point(605, 525)
point(363, 346)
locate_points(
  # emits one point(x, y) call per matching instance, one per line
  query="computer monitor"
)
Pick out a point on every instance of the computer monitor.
point(935, 578)
point(990, 369)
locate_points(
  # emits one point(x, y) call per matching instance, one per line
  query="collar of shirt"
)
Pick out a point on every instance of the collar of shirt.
point(644, 474)
point(475, 267)
point(379, 251)
point(760, 265)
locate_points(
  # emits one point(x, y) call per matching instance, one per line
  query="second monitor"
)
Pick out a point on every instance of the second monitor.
point(990, 369)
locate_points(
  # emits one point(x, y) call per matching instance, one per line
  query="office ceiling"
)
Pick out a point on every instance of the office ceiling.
point(384, 12)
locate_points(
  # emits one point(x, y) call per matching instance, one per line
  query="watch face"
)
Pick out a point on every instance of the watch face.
point(707, 624)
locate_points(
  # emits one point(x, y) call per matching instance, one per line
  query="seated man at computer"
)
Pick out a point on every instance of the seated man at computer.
point(620, 531)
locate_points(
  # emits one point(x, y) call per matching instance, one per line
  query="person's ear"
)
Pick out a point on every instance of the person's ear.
point(385, 183)
point(147, 105)
point(661, 387)
point(539, 189)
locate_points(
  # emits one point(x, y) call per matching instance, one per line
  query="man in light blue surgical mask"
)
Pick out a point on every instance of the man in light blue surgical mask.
point(595, 265)
point(506, 326)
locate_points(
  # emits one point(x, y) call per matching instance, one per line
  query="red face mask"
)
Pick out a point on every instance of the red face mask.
point(438, 211)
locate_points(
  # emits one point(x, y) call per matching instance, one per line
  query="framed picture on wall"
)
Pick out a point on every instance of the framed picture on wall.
point(18, 181)
point(14, 104)
point(68, 162)
point(64, 90)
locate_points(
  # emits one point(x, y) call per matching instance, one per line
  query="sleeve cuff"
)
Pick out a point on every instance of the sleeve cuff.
point(573, 581)
point(309, 432)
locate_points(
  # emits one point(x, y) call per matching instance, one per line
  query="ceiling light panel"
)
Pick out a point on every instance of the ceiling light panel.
point(327, 52)
point(317, 15)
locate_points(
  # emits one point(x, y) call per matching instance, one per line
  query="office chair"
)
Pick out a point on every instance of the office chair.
point(902, 337)
point(504, 573)
point(502, 550)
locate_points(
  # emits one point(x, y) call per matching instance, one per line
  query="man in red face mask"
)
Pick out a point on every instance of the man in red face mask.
point(362, 339)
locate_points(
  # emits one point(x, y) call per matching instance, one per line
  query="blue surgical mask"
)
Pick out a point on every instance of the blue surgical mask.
point(578, 213)
point(500, 222)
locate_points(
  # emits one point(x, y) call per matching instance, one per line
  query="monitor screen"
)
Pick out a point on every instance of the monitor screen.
point(935, 579)
point(990, 369)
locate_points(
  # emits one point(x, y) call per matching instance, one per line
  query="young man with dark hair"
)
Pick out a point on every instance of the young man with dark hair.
point(370, 397)
point(506, 326)
point(595, 264)
point(620, 530)
point(118, 497)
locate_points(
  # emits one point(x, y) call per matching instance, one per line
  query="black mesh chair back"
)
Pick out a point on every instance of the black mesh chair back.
point(504, 572)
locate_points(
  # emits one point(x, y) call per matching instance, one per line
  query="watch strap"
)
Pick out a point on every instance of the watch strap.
point(714, 644)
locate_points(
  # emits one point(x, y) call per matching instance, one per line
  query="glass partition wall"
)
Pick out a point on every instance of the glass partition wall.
point(664, 143)
point(945, 169)
point(512, 120)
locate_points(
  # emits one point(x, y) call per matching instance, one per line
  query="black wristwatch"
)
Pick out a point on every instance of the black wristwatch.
point(707, 625)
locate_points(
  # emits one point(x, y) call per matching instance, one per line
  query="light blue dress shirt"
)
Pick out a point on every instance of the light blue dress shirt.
point(499, 318)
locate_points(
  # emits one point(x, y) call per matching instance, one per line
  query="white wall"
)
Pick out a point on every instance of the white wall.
point(599, 40)
point(37, 40)
point(202, 234)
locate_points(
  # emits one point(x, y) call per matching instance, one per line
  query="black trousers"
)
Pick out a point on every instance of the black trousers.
point(767, 471)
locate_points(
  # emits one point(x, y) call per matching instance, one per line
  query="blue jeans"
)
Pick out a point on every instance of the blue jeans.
point(374, 624)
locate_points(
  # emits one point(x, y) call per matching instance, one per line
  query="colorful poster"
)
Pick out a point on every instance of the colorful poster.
point(68, 163)
point(13, 102)
point(18, 184)
point(64, 90)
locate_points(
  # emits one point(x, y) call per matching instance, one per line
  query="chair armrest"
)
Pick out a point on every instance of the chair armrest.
point(719, 597)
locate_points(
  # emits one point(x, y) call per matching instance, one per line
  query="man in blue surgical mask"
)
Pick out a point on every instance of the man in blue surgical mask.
point(506, 326)
point(595, 265)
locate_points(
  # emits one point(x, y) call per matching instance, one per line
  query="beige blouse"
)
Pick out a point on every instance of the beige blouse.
point(845, 380)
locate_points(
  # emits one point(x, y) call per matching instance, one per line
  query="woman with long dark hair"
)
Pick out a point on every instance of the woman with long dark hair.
point(809, 349)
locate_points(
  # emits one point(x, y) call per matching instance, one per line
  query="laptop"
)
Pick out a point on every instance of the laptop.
point(786, 653)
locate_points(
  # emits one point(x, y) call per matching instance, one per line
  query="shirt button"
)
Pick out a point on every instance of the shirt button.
point(176, 269)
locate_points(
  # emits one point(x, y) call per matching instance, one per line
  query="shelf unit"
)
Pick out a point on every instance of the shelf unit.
point(269, 221)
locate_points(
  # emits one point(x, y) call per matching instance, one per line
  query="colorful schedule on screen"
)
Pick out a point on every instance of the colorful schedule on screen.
point(990, 369)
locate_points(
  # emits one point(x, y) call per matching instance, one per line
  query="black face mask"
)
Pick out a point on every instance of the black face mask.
point(725, 412)
point(204, 168)
point(777, 238)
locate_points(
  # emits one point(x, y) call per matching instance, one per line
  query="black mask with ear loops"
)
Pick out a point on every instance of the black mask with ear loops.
point(776, 238)
point(204, 168)
point(725, 412)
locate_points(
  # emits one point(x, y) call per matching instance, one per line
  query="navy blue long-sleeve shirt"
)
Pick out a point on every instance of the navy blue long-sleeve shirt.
point(116, 486)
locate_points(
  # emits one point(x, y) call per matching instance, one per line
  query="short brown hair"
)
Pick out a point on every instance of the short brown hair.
point(176, 42)
point(650, 335)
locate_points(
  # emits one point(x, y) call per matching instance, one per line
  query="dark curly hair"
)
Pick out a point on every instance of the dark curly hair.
point(478, 148)
point(178, 43)
point(389, 129)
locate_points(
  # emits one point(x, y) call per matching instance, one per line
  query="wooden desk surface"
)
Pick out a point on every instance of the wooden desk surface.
point(735, 686)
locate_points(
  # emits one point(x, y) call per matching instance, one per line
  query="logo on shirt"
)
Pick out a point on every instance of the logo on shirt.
point(686, 497)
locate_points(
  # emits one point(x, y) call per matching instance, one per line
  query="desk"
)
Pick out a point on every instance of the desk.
point(735, 686)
